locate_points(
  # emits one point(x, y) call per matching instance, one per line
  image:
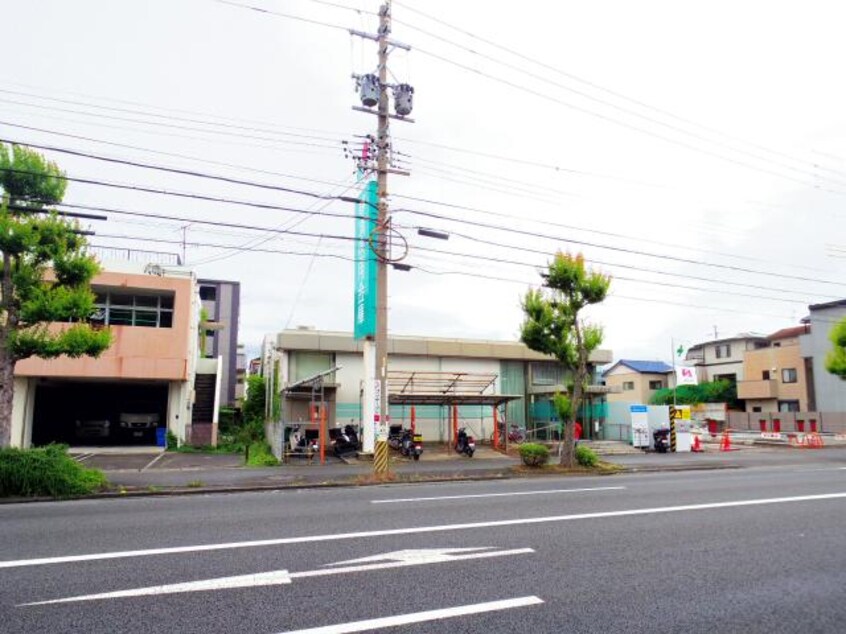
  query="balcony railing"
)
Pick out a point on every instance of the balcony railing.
point(757, 389)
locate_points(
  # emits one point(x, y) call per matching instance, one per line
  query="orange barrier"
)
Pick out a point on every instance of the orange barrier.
point(810, 440)
point(813, 441)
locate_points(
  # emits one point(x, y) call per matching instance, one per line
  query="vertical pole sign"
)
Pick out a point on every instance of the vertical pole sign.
point(364, 304)
point(365, 264)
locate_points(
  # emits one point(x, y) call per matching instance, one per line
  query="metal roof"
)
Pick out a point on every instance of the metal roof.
point(644, 367)
point(444, 388)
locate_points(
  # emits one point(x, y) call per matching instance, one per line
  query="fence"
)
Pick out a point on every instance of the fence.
point(788, 422)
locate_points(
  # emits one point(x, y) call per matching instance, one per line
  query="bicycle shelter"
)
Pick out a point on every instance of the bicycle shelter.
point(451, 390)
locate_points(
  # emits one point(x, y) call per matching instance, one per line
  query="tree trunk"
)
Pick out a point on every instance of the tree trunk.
point(568, 455)
point(7, 393)
point(7, 362)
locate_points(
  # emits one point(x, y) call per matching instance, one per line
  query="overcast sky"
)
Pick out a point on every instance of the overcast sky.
point(679, 134)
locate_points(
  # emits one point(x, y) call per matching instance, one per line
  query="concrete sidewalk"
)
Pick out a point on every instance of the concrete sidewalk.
point(206, 472)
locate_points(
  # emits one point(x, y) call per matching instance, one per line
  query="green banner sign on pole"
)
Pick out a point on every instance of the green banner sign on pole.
point(365, 263)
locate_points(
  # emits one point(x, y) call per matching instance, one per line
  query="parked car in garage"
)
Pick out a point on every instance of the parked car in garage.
point(92, 428)
point(137, 424)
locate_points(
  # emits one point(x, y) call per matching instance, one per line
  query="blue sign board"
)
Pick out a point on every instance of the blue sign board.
point(638, 409)
point(365, 263)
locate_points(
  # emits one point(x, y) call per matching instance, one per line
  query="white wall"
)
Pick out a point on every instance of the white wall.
point(23, 404)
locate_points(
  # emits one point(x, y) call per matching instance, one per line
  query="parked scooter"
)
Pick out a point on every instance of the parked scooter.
point(662, 440)
point(299, 444)
point(344, 442)
point(411, 445)
point(465, 444)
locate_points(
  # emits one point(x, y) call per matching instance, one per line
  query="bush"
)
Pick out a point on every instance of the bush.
point(172, 441)
point(260, 455)
point(45, 471)
point(534, 454)
point(586, 457)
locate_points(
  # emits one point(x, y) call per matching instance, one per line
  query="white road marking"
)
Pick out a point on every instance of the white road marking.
point(420, 617)
point(279, 577)
point(414, 530)
point(274, 578)
point(419, 554)
point(495, 495)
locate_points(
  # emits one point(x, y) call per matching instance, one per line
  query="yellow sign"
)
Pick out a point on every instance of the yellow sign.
point(679, 412)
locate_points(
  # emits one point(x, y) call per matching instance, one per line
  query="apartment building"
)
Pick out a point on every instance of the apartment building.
point(221, 301)
point(778, 378)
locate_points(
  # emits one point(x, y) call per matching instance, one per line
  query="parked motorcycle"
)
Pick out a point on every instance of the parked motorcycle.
point(465, 444)
point(395, 437)
point(411, 445)
point(516, 434)
point(662, 440)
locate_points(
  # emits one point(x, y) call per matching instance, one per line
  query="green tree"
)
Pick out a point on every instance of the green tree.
point(45, 276)
point(251, 429)
point(552, 325)
point(835, 362)
point(711, 392)
point(254, 403)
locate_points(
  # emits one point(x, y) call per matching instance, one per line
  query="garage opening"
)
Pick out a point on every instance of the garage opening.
point(98, 413)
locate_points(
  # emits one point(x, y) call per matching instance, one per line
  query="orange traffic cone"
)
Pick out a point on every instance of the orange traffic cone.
point(725, 443)
point(697, 446)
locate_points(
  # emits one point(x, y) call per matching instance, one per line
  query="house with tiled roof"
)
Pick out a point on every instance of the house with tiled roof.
point(635, 381)
point(778, 378)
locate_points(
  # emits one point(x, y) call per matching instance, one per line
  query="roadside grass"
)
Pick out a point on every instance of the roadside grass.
point(260, 455)
point(46, 471)
point(600, 468)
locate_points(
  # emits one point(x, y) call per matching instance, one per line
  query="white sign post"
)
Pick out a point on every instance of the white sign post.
point(640, 426)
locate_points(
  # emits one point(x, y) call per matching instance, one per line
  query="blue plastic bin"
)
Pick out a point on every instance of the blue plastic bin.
point(161, 436)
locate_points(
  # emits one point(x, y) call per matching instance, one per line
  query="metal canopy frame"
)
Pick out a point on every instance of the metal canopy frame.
point(314, 388)
point(450, 389)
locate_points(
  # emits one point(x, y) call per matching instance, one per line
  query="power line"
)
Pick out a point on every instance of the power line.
point(514, 230)
point(238, 135)
point(175, 170)
point(154, 115)
point(500, 260)
point(588, 83)
point(171, 154)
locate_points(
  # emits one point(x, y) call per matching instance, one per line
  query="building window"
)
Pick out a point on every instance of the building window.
point(128, 309)
point(788, 406)
point(756, 408)
point(547, 374)
point(628, 386)
point(788, 375)
point(723, 351)
point(765, 375)
point(208, 293)
point(731, 378)
point(656, 385)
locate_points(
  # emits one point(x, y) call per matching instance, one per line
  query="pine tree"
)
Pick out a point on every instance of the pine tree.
point(45, 294)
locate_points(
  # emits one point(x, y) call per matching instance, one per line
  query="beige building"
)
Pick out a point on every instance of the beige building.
point(776, 377)
point(148, 382)
point(631, 381)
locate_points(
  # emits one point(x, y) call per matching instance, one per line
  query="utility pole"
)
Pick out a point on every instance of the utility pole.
point(380, 462)
point(376, 346)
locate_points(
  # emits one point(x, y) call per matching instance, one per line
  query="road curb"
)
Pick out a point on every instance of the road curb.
point(335, 484)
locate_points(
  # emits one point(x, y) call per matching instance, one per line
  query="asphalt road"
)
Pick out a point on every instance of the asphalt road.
point(753, 550)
